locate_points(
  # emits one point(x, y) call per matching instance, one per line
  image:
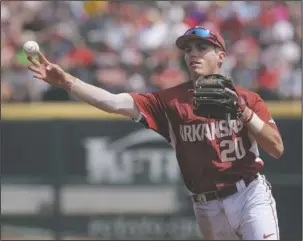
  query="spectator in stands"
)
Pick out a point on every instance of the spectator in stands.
point(130, 46)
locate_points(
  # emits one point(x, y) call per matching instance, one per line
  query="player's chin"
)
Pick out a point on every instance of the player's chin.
point(197, 71)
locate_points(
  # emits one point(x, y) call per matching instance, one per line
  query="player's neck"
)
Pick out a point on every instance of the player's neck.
point(194, 77)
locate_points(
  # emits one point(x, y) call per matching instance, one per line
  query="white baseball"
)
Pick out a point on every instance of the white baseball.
point(31, 47)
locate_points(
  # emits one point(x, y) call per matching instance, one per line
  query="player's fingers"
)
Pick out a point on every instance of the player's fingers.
point(232, 93)
point(38, 76)
point(33, 61)
point(43, 59)
point(34, 69)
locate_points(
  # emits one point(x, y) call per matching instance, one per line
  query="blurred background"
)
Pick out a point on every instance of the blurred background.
point(131, 46)
point(71, 171)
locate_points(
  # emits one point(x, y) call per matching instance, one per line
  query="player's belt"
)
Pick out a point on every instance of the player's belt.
point(222, 193)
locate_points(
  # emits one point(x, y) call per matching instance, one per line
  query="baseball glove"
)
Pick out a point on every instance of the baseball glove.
point(211, 100)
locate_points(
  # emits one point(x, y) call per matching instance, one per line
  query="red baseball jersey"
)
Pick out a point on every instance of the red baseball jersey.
point(211, 153)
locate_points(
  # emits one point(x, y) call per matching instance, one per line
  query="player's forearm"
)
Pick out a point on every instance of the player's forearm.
point(266, 136)
point(100, 98)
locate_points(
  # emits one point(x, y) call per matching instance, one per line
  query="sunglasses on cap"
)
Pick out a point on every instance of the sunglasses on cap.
point(206, 34)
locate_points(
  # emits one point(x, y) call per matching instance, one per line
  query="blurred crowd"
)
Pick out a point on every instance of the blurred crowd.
point(130, 46)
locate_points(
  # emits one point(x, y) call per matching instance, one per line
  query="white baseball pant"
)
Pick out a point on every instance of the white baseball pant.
point(249, 214)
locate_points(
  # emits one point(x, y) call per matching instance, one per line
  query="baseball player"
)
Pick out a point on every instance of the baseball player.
point(218, 159)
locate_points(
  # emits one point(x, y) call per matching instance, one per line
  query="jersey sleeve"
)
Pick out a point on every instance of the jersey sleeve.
point(153, 113)
point(261, 109)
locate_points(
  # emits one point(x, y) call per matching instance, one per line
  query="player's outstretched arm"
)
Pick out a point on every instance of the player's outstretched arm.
point(53, 74)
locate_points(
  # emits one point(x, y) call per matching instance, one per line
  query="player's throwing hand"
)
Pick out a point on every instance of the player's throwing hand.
point(48, 72)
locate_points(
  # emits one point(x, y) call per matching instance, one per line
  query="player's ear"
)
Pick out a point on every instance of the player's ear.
point(221, 57)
